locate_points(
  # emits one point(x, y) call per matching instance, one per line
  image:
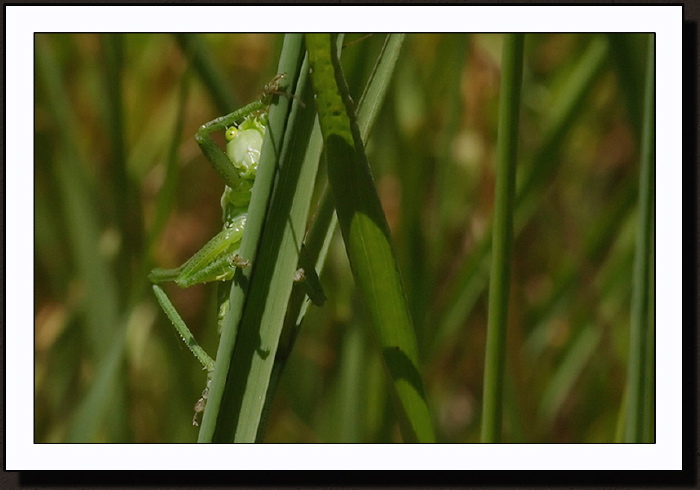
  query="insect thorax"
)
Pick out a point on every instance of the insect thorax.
point(244, 142)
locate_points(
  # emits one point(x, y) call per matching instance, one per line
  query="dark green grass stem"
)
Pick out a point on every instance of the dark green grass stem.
point(509, 110)
point(643, 261)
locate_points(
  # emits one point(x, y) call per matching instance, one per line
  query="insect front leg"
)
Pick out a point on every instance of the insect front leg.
point(218, 159)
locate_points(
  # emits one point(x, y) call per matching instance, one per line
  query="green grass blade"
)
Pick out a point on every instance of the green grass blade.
point(367, 239)
point(640, 321)
point(350, 397)
point(324, 222)
point(507, 145)
point(375, 90)
point(245, 361)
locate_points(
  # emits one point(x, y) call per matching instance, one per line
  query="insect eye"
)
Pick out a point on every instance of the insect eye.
point(231, 133)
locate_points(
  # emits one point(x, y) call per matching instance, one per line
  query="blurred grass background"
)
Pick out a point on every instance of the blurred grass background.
point(120, 187)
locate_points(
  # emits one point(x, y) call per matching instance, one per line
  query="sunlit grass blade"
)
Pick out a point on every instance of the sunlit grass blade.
point(324, 222)
point(367, 239)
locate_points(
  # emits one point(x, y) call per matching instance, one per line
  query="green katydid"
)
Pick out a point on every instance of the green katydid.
point(218, 260)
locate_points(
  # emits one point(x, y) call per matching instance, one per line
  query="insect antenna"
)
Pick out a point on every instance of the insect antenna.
point(359, 39)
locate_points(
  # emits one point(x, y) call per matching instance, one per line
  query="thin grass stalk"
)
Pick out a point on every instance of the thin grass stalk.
point(639, 321)
point(472, 277)
point(507, 145)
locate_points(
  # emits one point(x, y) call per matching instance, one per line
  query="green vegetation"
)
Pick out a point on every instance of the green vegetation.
point(121, 187)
